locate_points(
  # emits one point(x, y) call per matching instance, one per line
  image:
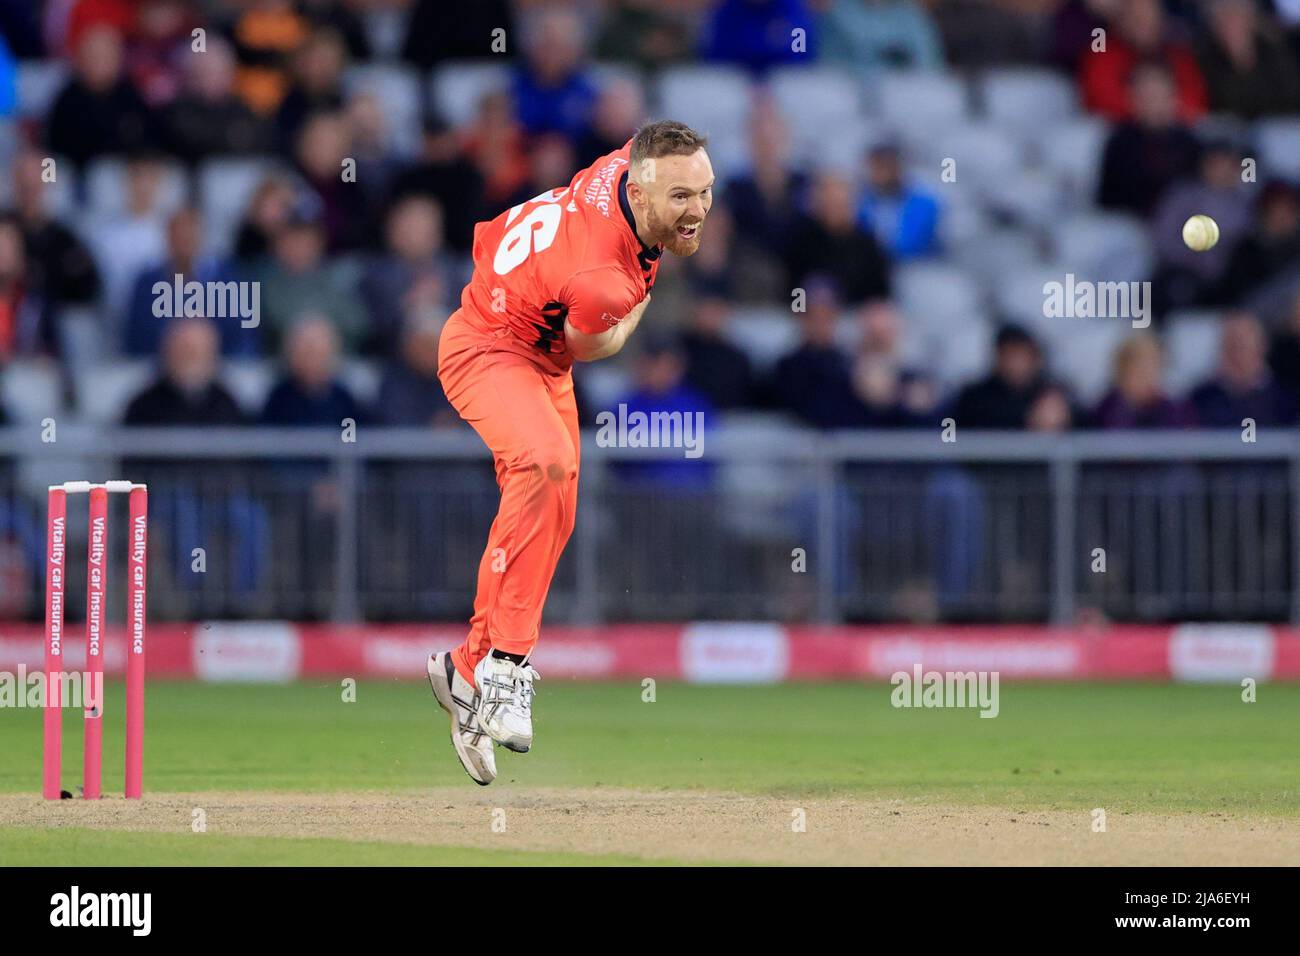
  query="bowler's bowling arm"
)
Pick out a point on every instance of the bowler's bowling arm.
point(587, 347)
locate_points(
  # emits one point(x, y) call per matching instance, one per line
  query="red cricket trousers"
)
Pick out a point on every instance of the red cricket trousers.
point(527, 416)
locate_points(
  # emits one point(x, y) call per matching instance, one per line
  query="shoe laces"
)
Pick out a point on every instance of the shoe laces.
point(518, 678)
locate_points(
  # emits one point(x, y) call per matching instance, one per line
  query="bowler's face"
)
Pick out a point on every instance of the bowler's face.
point(679, 193)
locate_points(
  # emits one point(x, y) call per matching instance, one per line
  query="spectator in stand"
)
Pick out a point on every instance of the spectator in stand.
point(271, 207)
point(1140, 32)
point(892, 393)
point(157, 47)
point(1147, 154)
point(410, 392)
point(758, 34)
point(643, 33)
point(324, 141)
point(1137, 398)
point(208, 119)
point(433, 37)
point(125, 243)
point(26, 322)
point(827, 240)
point(84, 16)
point(1017, 395)
point(344, 19)
point(265, 34)
point(1249, 69)
point(300, 279)
point(1245, 386)
point(187, 390)
point(58, 264)
point(1073, 30)
point(551, 165)
point(185, 257)
point(1185, 278)
point(873, 36)
point(443, 173)
point(1271, 250)
point(619, 110)
point(377, 163)
point(815, 382)
point(98, 112)
point(765, 201)
point(715, 368)
point(317, 86)
point(551, 90)
point(902, 216)
point(8, 79)
point(414, 278)
point(495, 145)
point(309, 392)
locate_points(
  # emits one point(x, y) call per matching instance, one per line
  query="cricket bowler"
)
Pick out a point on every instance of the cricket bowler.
point(565, 276)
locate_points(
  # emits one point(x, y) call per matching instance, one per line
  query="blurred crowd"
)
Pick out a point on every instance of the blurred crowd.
point(367, 266)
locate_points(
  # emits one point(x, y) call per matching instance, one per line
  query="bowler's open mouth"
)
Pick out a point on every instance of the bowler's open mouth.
point(688, 231)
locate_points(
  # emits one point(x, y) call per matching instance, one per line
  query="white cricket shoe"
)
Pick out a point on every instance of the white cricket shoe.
point(505, 706)
point(460, 700)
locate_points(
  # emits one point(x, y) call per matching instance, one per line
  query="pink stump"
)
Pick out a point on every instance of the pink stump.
point(96, 601)
point(137, 581)
point(56, 536)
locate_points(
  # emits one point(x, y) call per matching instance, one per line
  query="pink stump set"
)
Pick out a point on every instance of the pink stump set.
point(96, 601)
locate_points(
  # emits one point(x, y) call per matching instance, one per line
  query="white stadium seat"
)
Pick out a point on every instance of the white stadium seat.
point(823, 111)
point(398, 91)
point(1073, 151)
point(936, 296)
point(249, 382)
point(1081, 354)
point(39, 82)
point(1027, 99)
point(1105, 247)
point(106, 187)
point(225, 188)
point(456, 88)
point(1191, 348)
point(1279, 148)
point(918, 104)
point(104, 391)
point(764, 334)
point(31, 389)
point(717, 101)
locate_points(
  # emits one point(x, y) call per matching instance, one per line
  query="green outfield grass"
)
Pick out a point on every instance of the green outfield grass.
point(1146, 746)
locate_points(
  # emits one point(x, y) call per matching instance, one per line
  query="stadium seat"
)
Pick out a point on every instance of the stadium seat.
point(764, 334)
point(1019, 295)
point(107, 193)
point(225, 187)
point(1279, 148)
point(936, 296)
point(823, 111)
point(31, 389)
point(1191, 348)
point(1073, 151)
point(361, 378)
point(982, 152)
point(398, 90)
point(39, 82)
point(989, 252)
point(1104, 247)
point(962, 353)
point(722, 114)
point(456, 88)
point(603, 74)
point(1027, 100)
point(1032, 197)
point(104, 390)
point(249, 382)
point(920, 105)
point(81, 334)
point(1081, 354)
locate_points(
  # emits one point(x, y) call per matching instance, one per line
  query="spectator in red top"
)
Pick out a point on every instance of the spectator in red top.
point(1138, 32)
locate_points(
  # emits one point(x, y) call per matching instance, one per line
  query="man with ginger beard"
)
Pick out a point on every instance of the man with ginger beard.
point(565, 276)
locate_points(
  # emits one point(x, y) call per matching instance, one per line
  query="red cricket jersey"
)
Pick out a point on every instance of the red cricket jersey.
point(570, 253)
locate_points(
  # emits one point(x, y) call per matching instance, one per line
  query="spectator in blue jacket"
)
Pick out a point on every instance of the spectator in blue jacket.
point(759, 34)
point(903, 217)
point(551, 90)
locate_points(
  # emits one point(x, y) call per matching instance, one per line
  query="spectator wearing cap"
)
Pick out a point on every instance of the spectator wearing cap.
point(207, 119)
point(1244, 386)
point(870, 38)
point(413, 278)
point(1017, 395)
point(1138, 31)
point(1152, 151)
point(814, 382)
point(1272, 247)
point(1249, 69)
point(1186, 278)
point(551, 90)
point(715, 367)
point(758, 34)
point(299, 279)
point(902, 216)
point(410, 392)
point(1136, 398)
point(185, 257)
point(828, 240)
point(443, 173)
point(98, 112)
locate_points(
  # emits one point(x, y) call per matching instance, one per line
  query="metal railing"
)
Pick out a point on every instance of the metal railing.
point(778, 524)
